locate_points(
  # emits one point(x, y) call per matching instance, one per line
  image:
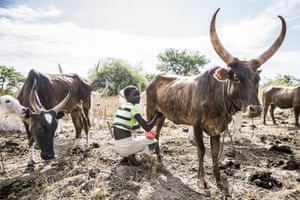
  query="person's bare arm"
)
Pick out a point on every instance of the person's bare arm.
point(147, 126)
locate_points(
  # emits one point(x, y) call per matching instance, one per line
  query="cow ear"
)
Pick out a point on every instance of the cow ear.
point(259, 71)
point(60, 114)
point(221, 74)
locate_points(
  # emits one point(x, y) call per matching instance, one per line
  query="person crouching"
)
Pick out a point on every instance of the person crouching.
point(128, 118)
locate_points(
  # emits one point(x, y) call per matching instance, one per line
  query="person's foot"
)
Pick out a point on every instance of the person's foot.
point(133, 161)
point(153, 145)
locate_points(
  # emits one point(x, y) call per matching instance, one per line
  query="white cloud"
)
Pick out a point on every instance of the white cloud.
point(283, 63)
point(25, 13)
point(248, 38)
point(35, 43)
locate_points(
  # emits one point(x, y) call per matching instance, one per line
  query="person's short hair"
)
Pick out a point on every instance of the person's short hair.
point(128, 89)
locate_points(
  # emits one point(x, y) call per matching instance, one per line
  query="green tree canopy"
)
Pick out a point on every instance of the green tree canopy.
point(9, 79)
point(181, 62)
point(115, 74)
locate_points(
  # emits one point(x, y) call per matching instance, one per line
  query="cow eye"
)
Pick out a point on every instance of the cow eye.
point(7, 101)
point(236, 79)
point(40, 129)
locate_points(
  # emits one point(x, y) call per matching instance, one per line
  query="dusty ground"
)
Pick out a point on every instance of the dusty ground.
point(98, 174)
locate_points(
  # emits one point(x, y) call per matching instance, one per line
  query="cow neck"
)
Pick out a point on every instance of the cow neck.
point(228, 104)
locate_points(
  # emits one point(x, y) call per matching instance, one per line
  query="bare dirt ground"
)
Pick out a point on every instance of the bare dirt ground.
point(265, 156)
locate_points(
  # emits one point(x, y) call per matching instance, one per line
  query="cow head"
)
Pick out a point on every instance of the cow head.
point(11, 106)
point(242, 77)
point(43, 123)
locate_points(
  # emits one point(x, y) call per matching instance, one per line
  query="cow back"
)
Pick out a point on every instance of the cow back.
point(52, 88)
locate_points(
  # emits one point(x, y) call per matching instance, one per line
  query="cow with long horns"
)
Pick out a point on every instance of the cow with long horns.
point(208, 101)
point(49, 96)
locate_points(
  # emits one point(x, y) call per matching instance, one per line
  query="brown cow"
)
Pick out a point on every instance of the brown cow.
point(208, 101)
point(48, 95)
point(282, 97)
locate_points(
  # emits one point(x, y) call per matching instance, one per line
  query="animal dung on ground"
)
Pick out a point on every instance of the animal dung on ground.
point(292, 165)
point(281, 148)
point(265, 180)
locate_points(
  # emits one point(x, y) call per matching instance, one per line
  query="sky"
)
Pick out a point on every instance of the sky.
point(77, 34)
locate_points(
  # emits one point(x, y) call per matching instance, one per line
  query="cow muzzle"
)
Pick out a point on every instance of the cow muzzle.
point(253, 110)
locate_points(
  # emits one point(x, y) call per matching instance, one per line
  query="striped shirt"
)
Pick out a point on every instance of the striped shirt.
point(124, 118)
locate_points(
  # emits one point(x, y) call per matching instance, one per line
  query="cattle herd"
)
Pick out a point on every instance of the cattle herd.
point(206, 102)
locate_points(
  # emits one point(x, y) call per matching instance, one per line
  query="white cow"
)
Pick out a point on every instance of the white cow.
point(10, 112)
point(11, 106)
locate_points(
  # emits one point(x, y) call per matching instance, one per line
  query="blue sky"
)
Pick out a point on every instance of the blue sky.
point(79, 33)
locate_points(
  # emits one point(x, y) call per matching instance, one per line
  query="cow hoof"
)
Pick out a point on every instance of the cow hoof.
point(30, 167)
point(223, 185)
point(159, 158)
point(86, 153)
point(202, 184)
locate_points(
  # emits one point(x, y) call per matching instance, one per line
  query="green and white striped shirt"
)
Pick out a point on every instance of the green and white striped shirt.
point(124, 118)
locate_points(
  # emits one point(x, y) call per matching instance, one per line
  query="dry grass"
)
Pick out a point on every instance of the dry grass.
point(108, 106)
point(104, 113)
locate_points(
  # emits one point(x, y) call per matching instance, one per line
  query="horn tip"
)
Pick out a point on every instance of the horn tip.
point(281, 18)
point(217, 11)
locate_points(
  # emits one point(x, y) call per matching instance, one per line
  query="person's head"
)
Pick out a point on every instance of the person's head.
point(132, 94)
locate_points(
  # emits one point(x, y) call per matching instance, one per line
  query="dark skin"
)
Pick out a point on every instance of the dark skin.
point(134, 98)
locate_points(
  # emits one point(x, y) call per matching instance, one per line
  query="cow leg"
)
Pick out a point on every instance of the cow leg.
point(215, 148)
point(222, 183)
point(159, 123)
point(78, 124)
point(272, 108)
point(31, 162)
point(296, 112)
point(150, 111)
point(265, 112)
point(237, 124)
point(29, 136)
point(198, 134)
point(86, 126)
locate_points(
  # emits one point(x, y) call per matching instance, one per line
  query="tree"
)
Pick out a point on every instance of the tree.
point(9, 79)
point(280, 80)
point(181, 62)
point(117, 74)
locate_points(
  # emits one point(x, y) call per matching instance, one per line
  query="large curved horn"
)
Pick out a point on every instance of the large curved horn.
point(221, 51)
point(60, 106)
point(34, 100)
point(269, 52)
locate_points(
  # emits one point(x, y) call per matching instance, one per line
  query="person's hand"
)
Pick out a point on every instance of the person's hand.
point(151, 134)
point(159, 114)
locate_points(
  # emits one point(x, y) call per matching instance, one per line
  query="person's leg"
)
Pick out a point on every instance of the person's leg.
point(145, 142)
